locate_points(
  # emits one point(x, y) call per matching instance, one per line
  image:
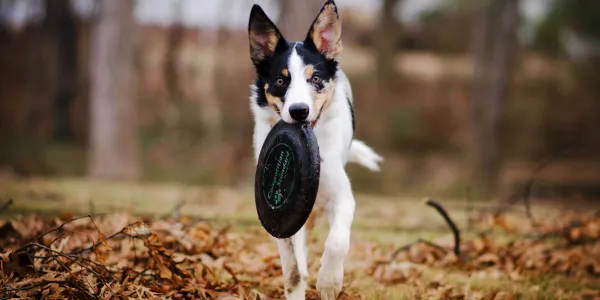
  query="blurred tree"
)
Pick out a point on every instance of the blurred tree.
point(174, 40)
point(208, 82)
point(494, 42)
point(386, 37)
point(62, 28)
point(571, 118)
point(565, 19)
point(297, 16)
point(114, 129)
point(442, 29)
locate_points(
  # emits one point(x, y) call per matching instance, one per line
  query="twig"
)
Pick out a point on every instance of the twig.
point(81, 285)
point(39, 237)
point(230, 271)
point(526, 193)
point(6, 205)
point(58, 237)
point(33, 286)
point(98, 242)
point(86, 260)
point(440, 209)
point(407, 247)
point(42, 283)
point(75, 260)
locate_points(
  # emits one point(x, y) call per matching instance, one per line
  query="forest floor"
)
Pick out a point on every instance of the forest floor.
point(173, 241)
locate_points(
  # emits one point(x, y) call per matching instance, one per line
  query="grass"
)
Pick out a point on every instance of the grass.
point(388, 221)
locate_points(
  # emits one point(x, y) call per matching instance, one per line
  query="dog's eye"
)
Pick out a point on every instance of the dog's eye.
point(279, 81)
point(316, 78)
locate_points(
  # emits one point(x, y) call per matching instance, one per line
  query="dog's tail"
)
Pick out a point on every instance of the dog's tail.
point(363, 155)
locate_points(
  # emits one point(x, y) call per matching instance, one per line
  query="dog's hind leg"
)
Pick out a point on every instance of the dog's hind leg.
point(340, 213)
point(292, 252)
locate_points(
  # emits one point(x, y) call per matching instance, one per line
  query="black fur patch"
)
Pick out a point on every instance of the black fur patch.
point(261, 98)
point(352, 114)
point(326, 68)
point(269, 69)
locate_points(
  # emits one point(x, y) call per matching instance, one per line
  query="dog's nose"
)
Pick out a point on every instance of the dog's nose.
point(299, 111)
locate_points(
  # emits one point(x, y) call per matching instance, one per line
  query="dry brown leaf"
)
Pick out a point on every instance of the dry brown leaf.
point(158, 263)
point(19, 263)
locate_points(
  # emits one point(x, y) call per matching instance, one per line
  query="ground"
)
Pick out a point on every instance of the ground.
point(502, 257)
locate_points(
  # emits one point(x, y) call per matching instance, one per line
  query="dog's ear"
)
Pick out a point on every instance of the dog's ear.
point(325, 34)
point(263, 34)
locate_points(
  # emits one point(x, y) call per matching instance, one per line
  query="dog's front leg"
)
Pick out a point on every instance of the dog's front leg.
point(336, 189)
point(292, 253)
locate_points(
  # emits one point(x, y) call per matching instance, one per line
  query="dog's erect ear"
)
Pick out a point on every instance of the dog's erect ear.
point(325, 34)
point(263, 34)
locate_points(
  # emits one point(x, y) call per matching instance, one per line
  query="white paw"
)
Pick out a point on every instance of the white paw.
point(297, 294)
point(329, 283)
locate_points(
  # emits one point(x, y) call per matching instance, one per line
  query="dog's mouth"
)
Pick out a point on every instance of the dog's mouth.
point(313, 123)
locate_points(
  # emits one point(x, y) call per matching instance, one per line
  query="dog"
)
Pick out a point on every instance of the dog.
point(302, 82)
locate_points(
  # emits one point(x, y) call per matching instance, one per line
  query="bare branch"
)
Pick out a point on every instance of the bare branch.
point(60, 227)
point(440, 209)
point(407, 247)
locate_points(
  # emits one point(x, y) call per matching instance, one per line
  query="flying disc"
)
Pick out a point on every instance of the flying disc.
point(287, 178)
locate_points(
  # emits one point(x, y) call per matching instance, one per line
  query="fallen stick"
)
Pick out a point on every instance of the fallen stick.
point(74, 259)
point(407, 247)
point(440, 209)
point(40, 284)
point(60, 227)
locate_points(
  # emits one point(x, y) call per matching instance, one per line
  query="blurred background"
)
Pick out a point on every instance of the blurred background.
point(462, 97)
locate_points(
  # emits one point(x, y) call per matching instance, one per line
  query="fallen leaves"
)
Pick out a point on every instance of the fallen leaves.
point(570, 247)
point(119, 256)
point(144, 259)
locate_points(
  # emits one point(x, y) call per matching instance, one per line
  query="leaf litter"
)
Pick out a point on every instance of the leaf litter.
point(120, 256)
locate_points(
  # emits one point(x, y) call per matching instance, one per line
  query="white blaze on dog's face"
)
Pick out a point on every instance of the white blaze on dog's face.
point(296, 80)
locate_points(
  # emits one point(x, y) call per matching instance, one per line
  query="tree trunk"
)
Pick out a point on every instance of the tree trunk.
point(62, 27)
point(297, 16)
point(385, 44)
point(114, 128)
point(494, 47)
point(174, 41)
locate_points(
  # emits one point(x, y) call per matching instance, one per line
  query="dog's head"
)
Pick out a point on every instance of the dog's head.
point(298, 79)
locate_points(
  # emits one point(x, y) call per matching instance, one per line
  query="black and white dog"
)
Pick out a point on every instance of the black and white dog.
point(301, 81)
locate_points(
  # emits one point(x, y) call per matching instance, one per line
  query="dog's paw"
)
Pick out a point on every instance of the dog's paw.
point(329, 283)
point(297, 294)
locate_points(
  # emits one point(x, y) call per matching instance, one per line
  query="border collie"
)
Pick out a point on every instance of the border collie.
point(299, 82)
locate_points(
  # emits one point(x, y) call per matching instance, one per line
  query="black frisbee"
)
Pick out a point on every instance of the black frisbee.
point(287, 178)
